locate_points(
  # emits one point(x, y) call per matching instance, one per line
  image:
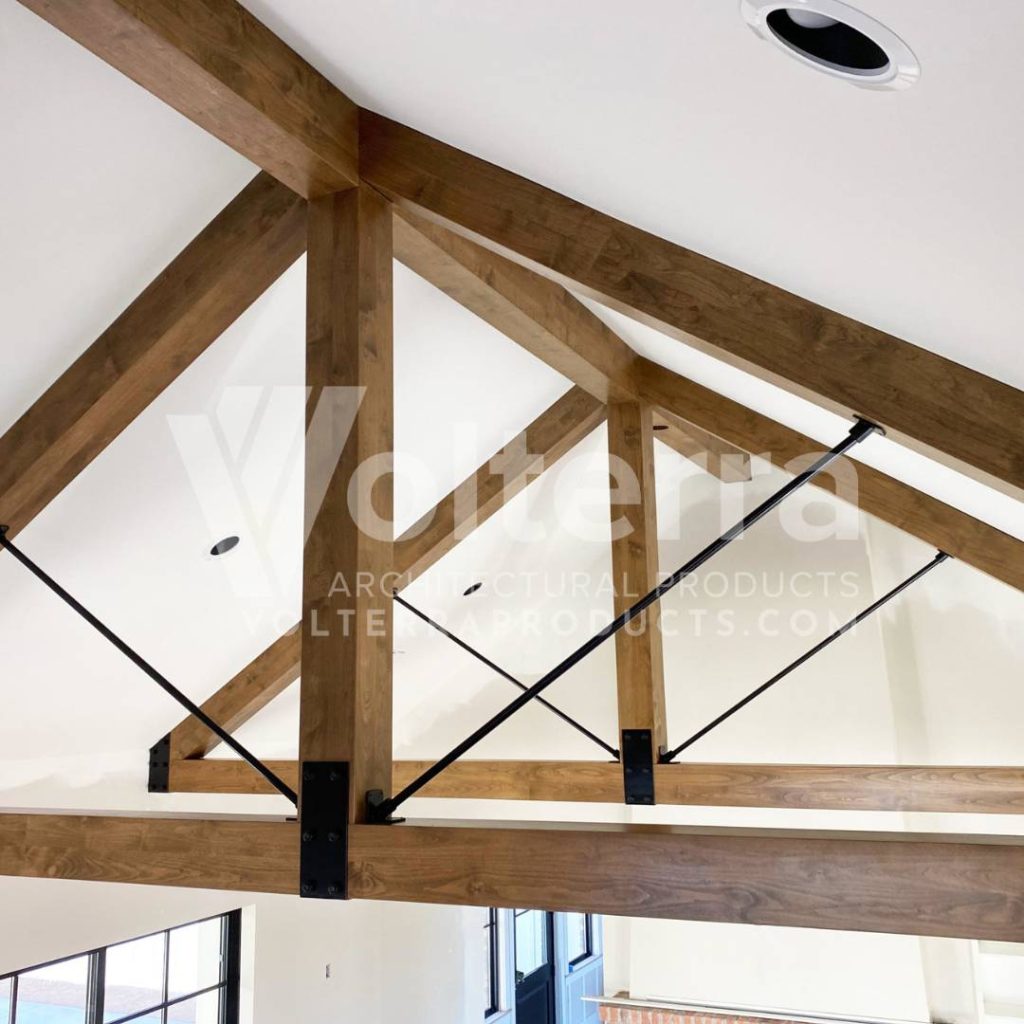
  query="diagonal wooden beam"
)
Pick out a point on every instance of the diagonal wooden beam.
point(263, 679)
point(937, 789)
point(970, 540)
point(549, 322)
point(201, 293)
point(945, 410)
point(212, 61)
point(640, 673)
point(600, 360)
point(553, 434)
point(719, 458)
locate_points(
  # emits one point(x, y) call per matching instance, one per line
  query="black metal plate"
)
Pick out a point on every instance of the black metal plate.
point(323, 825)
point(160, 766)
point(638, 766)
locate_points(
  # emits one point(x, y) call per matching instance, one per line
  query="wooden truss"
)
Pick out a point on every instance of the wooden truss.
point(356, 189)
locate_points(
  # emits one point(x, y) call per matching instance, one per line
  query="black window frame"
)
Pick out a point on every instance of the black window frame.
point(228, 985)
point(493, 963)
point(588, 953)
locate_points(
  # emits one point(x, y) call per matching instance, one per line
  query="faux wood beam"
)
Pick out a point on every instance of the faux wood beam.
point(553, 434)
point(345, 689)
point(638, 648)
point(934, 789)
point(212, 61)
point(549, 437)
point(227, 853)
point(538, 314)
point(719, 458)
point(263, 679)
point(936, 406)
point(201, 293)
point(550, 323)
point(970, 540)
point(949, 885)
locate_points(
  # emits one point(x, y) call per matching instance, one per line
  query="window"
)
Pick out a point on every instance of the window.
point(579, 935)
point(493, 975)
point(185, 975)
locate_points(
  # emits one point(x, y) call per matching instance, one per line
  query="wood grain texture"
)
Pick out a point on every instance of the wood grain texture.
point(719, 458)
point(538, 314)
point(938, 789)
point(345, 690)
point(640, 674)
point(212, 61)
point(243, 856)
point(550, 323)
point(970, 540)
point(961, 886)
point(939, 407)
point(202, 292)
point(554, 433)
point(263, 679)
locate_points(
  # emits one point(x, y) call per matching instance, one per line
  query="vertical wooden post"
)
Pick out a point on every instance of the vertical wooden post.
point(641, 685)
point(345, 705)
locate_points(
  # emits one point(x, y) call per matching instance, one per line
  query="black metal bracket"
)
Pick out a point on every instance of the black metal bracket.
point(160, 766)
point(323, 826)
point(638, 766)
point(377, 812)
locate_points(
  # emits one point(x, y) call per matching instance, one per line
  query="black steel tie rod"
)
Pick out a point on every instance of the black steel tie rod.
point(506, 675)
point(161, 681)
point(671, 755)
point(861, 430)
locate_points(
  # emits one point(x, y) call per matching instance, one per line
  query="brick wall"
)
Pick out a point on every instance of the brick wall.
point(610, 1014)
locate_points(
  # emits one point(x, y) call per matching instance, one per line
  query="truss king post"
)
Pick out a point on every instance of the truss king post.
point(323, 827)
point(160, 766)
point(638, 766)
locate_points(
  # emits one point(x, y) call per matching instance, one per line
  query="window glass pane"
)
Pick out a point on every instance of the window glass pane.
point(531, 941)
point(156, 1017)
point(54, 995)
point(577, 931)
point(5, 1000)
point(135, 977)
point(195, 961)
point(204, 1009)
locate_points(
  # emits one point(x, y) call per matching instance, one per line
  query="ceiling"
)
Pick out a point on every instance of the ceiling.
point(680, 121)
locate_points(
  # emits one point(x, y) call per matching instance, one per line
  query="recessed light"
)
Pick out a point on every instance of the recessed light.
point(471, 589)
point(835, 38)
point(222, 547)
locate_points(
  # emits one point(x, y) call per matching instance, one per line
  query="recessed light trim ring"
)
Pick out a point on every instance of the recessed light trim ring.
point(901, 70)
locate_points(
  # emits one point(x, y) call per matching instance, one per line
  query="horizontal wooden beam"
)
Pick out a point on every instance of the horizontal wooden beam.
point(951, 885)
point(196, 853)
point(969, 540)
point(225, 269)
point(939, 407)
point(934, 788)
point(212, 61)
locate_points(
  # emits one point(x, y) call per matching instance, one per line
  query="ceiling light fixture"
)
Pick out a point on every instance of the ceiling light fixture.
point(835, 38)
point(222, 547)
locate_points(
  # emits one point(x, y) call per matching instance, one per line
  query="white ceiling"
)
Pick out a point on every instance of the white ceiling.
point(104, 185)
point(903, 209)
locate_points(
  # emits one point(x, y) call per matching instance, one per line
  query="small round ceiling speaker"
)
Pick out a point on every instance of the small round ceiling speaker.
point(833, 37)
